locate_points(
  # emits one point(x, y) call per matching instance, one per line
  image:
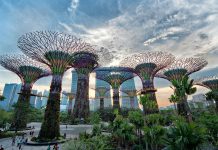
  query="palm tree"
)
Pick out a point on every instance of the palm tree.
point(212, 95)
point(183, 88)
point(174, 99)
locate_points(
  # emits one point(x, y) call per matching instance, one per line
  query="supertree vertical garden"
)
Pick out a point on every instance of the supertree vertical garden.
point(115, 76)
point(102, 91)
point(146, 66)
point(131, 94)
point(179, 69)
point(55, 50)
point(84, 63)
point(29, 72)
point(212, 84)
point(70, 96)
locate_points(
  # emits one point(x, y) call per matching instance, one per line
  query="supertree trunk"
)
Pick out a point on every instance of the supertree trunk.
point(22, 108)
point(148, 87)
point(101, 103)
point(132, 105)
point(50, 128)
point(69, 110)
point(81, 106)
point(183, 109)
point(116, 101)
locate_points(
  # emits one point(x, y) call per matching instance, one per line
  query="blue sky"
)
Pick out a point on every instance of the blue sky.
point(182, 27)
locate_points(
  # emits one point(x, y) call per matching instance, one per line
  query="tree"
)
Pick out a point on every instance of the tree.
point(2, 97)
point(174, 99)
point(183, 88)
point(212, 95)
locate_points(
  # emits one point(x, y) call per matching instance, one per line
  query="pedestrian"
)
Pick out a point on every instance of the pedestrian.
point(55, 146)
point(13, 141)
point(65, 135)
point(20, 146)
point(66, 126)
point(1, 148)
point(32, 133)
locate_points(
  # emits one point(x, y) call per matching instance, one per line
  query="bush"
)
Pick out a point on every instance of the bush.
point(154, 119)
point(5, 117)
point(95, 118)
point(184, 136)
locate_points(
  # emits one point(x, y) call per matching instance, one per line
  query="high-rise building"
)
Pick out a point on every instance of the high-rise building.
point(74, 84)
point(33, 98)
point(10, 93)
point(124, 98)
point(16, 95)
point(38, 102)
point(107, 99)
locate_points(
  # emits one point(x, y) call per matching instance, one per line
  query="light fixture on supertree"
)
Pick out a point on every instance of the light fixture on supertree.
point(29, 71)
point(70, 97)
point(146, 66)
point(84, 63)
point(177, 70)
point(55, 50)
point(115, 76)
point(212, 84)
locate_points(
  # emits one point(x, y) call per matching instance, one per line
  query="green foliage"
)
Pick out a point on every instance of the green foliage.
point(185, 136)
point(96, 131)
point(5, 117)
point(153, 137)
point(209, 121)
point(6, 134)
point(95, 118)
point(154, 119)
point(147, 103)
point(136, 118)
point(35, 115)
point(2, 97)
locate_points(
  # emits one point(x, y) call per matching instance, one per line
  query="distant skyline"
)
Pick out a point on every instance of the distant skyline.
point(182, 27)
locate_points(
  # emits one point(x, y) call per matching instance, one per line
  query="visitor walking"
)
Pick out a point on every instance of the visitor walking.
point(13, 140)
point(56, 147)
point(49, 147)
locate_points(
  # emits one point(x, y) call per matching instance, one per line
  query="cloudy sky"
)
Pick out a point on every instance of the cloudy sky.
point(118, 28)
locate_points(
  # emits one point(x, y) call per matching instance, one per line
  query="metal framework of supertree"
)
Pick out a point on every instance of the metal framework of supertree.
point(55, 50)
point(115, 76)
point(210, 83)
point(70, 96)
point(84, 63)
point(177, 70)
point(29, 72)
point(102, 91)
point(146, 66)
point(131, 94)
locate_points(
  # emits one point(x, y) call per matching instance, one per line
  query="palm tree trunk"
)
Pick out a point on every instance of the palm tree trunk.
point(183, 109)
point(116, 101)
point(81, 106)
point(101, 103)
point(22, 107)
point(50, 128)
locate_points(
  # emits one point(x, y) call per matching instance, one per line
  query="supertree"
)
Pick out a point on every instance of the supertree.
point(115, 76)
point(179, 69)
point(29, 72)
point(146, 66)
point(131, 94)
point(55, 50)
point(84, 63)
point(101, 90)
point(212, 84)
point(70, 96)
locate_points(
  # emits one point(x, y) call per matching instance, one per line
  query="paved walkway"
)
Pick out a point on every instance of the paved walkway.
point(71, 131)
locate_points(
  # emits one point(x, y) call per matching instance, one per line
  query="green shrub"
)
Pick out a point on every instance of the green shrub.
point(154, 119)
point(95, 118)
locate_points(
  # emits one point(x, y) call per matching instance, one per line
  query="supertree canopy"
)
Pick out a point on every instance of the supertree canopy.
point(70, 96)
point(146, 66)
point(212, 84)
point(179, 69)
point(84, 62)
point(102, 91)
point(115, 76)
point(55, 50)
point(131, 93)
point(29, 71)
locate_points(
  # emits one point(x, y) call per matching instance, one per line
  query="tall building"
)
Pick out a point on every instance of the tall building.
point(10, 93)
point(124, 98)
point(44, 99)
point(38, 102)
point(74, 84)
point(33, 98)
point(107, 99)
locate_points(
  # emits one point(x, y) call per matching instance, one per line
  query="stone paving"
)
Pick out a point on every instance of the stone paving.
point(71, 131)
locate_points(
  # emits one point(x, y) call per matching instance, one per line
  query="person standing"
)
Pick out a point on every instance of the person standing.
point(1, 148)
